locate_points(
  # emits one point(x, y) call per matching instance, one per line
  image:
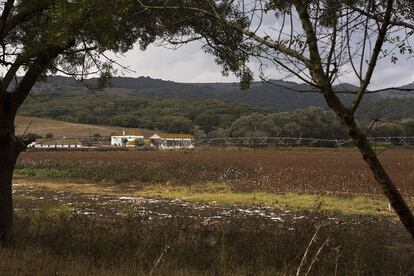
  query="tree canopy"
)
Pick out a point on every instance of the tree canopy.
point(74, 37)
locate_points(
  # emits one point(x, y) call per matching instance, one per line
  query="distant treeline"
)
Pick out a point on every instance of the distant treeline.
point(313, 122)
point(396, 109)
point(169, 115)
point(216, 118)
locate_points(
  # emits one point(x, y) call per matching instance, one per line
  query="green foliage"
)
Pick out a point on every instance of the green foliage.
point(388, 109)
point(110, 25)
point(136, 111)
point(82, 32)
point(216, 118)
point(271, 95)
point(311, 122)
point(32, 136)
point(139, 142)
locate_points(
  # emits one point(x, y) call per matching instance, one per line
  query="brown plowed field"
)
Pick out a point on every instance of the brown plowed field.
point(336, 171)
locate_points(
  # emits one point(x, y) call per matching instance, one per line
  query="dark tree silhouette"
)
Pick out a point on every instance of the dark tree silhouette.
point(74, 37)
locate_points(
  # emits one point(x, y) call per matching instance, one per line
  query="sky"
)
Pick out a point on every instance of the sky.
point(190, 64)
point(186, 64)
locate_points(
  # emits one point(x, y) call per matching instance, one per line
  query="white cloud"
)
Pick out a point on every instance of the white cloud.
point(388, 74)
point(186, 64)
point(190, 64)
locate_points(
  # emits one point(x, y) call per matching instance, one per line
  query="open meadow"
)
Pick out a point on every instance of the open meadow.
point(211, 211)
point(42, 126)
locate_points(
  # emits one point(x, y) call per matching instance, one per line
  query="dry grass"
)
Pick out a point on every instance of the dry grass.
point(74, 245)
point(64, 129)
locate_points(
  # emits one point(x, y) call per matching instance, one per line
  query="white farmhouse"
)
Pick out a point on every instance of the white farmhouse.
point(56, 143)
point(126, 138)
point(172, 141)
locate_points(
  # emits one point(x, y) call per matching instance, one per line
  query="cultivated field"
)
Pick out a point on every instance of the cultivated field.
point(317, 171)
point(203, 212)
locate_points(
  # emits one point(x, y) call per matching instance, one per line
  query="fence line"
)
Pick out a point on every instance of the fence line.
point(268, 141)
point(300, 141)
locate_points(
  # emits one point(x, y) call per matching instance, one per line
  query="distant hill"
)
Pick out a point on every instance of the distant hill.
point(278, 95)
point(63, 129)
point(169, 106)
point(397, 93)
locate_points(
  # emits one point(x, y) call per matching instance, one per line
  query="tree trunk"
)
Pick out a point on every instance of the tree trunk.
point(8, 155)
point(360, 140)
point(322, 79)
point(10, 148)
point(389, 189)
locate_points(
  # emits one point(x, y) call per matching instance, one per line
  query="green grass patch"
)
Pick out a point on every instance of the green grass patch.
point(220, 194)
point(55, 213)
